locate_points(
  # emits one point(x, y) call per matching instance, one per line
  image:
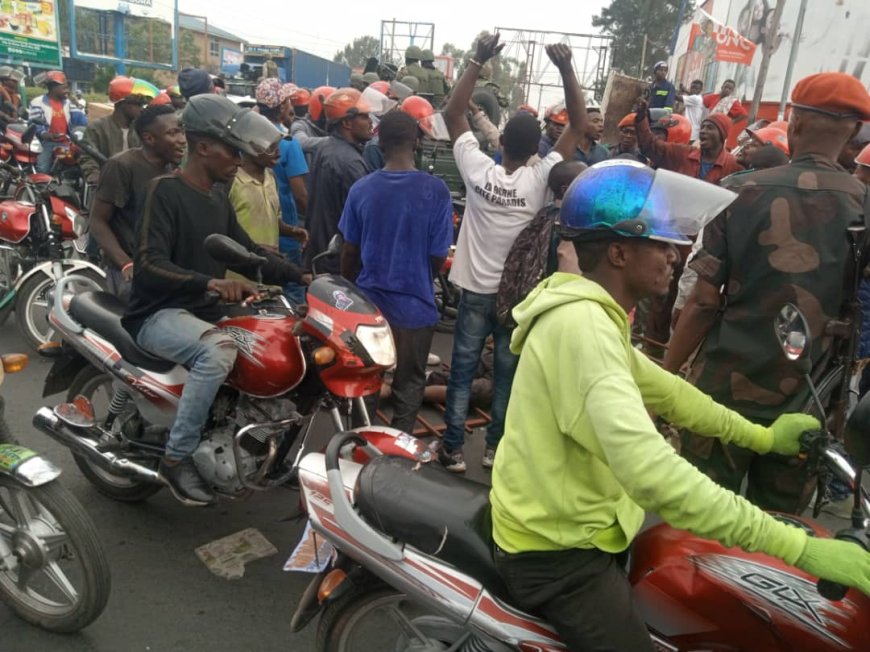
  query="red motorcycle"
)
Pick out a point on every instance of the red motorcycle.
point(414, 569)
point(25, 149)
point(291, 363)
point(42, 227)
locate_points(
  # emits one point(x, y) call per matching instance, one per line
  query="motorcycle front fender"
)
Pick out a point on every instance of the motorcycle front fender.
point(69, 265)
point(25, 466)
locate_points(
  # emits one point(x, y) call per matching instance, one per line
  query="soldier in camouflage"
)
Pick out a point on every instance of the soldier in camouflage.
point(437, 82)
point(783, 240)
point(413, 68)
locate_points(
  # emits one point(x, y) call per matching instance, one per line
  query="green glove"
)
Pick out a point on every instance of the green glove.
point(787, 431)
point(838, 561)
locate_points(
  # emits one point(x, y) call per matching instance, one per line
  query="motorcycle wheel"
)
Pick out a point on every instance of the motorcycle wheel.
point(382, 619)
point(61, 582)
point(8, 273)
point(96, 386)
point(32, 305)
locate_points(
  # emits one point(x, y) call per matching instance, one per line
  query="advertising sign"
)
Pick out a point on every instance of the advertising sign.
point(159, 9)
point(29, 32)
point(231, 61)
point(719, 42)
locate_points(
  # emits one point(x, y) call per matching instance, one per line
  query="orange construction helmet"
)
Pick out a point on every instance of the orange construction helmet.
point(300, 97)
point(420, 109)
point(318, 97)
point(557, 113)
point(54, 77)
point(381, 87)
point(345, 103)
point(771, 136)
point(864, 157)
point(678, 128)
point(162, 98)
point(527, 108)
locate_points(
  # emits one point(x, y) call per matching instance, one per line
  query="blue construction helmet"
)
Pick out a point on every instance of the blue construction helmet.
point(628, 199)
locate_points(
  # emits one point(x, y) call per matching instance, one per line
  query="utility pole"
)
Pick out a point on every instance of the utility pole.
point(642, 59)
point(765, 59)
point(792, 57)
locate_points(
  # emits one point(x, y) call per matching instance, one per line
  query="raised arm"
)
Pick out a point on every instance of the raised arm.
point(575, 103)
point(454, 115)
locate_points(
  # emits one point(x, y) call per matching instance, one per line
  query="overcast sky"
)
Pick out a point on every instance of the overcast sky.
point(323, 27)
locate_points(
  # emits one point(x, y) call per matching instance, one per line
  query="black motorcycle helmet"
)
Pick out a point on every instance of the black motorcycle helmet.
point(218, 117)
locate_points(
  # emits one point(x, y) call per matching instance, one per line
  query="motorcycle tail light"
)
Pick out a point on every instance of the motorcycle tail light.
point(378, 341)
point(14, 362)
point(330, 583)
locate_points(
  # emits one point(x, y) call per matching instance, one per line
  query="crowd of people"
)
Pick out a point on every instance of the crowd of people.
point(561, 239)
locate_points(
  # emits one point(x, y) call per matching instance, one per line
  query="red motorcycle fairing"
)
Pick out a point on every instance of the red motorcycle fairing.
point(702, 595)
point(336, 309)
point(58, 209)
point(15, 220)
point(391, 442)
point(40, 177)
point(270, 361)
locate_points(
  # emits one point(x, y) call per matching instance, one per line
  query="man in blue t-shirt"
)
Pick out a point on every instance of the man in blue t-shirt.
point(397, 225)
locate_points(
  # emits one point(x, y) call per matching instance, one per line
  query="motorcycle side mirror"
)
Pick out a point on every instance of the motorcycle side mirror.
point(230, 252)
point(28, 134)
point(78, 135)
point(792, 332)
point(334, 245)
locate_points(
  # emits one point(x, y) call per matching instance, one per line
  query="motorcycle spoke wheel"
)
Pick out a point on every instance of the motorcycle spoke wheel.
point(384, 620)
point(59, 579)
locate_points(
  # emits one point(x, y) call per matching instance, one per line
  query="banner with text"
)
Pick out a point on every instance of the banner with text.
point(29, 32)
point(718, 42)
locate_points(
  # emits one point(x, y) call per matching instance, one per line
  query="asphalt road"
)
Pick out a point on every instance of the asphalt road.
point(164, 599)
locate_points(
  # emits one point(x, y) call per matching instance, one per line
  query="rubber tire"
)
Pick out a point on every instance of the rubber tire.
point(25, 296)
point(336, 614)
point(484, 98)
point(83, 536)
point(136, 491)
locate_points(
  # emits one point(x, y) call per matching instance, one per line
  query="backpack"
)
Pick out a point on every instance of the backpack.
point(529, 260)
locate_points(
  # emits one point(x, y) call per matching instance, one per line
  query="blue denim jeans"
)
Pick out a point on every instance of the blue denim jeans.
point(294, 292)
point(475, 321)
point(46, 157)
point(207, 351)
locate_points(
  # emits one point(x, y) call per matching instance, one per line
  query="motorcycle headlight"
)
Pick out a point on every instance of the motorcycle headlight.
point(78, 223)
point(378, 341)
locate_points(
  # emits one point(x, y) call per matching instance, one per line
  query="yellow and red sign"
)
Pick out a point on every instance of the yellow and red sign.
point(720, 42)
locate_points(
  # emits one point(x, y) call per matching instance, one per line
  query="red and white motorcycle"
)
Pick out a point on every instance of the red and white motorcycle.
point(414, 571)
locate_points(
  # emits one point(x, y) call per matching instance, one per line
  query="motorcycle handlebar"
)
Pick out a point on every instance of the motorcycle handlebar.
point(336, 444)
point(92, 151)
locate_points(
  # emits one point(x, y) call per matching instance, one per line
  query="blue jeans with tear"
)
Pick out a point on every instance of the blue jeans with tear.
point(208, 352)
point(475, 321)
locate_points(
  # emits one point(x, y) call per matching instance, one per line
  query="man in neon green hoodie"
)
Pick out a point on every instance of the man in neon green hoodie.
point(581, 461)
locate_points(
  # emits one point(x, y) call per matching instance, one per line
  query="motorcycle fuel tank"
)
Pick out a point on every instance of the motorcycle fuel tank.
point(702, 595)
point(15, 220)
point(270, 360)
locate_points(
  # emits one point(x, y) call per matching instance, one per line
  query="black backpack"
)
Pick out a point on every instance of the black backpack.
point(530, 259)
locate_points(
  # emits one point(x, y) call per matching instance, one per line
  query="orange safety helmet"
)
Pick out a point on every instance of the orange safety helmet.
point(300, 97)
point(864, 157)
point(678, 128)
point(527, 108)
point(557, 113)
point(420, 109)
point(345, 103)
point(318, 97)
point(381, 87)
point(771, 136)
point(162, 98)
point(779, 124)
point(54, 77)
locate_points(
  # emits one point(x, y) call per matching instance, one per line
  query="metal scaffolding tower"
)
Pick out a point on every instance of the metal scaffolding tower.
point(542, 84)
point(397, 35)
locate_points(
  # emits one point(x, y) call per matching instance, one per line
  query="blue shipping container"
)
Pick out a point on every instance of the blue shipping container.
point(311, 71)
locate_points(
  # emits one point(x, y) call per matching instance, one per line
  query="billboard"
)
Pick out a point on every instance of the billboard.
point(159, 9)
point(29, 32)
point(231, 61)
point(834, 37)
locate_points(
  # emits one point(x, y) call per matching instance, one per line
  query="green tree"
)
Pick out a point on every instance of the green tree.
point(356, 53)
point(629, 20)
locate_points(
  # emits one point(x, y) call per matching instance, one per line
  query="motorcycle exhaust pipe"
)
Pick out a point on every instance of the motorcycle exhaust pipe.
point(46, 421)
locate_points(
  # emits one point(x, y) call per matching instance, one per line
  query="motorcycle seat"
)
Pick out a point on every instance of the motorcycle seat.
point(102, 312)
point(436, 512)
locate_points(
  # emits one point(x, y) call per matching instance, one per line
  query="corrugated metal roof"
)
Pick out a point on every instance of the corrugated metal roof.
point(198, 25)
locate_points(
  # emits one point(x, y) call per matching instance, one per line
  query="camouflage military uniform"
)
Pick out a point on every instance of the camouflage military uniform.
point(783, 240)
point(418, 71)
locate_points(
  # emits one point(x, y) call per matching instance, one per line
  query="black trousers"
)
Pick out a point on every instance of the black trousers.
point(409, 378)
point(584, 594)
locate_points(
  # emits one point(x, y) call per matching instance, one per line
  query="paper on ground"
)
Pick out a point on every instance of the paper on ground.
point(227, 557)
point(312, 554)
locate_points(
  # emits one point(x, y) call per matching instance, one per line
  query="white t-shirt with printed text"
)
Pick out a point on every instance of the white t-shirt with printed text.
point(498, 206)
point(695, 112)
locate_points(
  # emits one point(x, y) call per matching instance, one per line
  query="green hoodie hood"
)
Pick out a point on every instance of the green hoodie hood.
point(557, 290)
